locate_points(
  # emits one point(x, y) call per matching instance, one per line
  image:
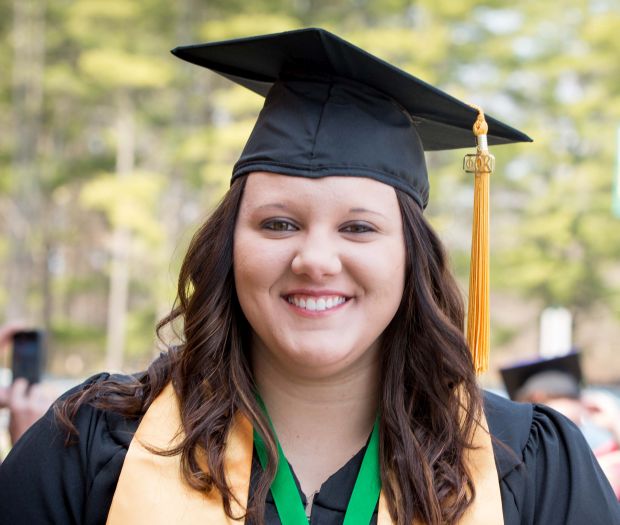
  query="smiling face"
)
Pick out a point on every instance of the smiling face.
point(319, 268)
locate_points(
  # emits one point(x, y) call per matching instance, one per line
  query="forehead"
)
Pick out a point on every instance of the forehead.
point(263, 188)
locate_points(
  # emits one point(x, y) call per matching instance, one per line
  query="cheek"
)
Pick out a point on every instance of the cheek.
point(393, 291)
point(386, 271)
point(393, 282)
point(256, 267)
point(380, 272)
point(247, 268)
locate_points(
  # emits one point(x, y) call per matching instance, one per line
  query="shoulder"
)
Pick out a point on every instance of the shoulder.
point(509, 422)
point(510, 425)
point(547, 472)
point(522, 429)
point(523, 432)
point(66, 478)
point(95, 426)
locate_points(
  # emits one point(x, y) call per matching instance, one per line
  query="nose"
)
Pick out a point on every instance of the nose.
point(316, 257)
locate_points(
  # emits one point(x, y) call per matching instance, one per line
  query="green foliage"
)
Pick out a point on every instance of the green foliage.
point(141, 335)
point(566, 235)
point(71, 340)
point(245, 24)
point(114, 68)
point(128, 202)
point(74, 334)
point(548, 68)
point(418, 51)
point(237, 102)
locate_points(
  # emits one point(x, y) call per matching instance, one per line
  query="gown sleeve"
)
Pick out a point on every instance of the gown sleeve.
point(43, 481)
point(548, 474)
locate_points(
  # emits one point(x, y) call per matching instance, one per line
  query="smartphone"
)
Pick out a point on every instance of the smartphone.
point(28, 355)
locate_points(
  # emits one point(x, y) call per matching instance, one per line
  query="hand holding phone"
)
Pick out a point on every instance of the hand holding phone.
point(25, 399)
point(28, 355)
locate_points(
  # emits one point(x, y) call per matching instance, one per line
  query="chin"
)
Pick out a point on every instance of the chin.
point(323, 358)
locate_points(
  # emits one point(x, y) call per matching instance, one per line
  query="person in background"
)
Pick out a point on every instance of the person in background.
point(556, 382)
point(26, 403)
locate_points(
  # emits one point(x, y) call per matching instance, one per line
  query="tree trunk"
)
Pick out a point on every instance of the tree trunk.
point(23, 214)
point(121, 242)
point(176, 192)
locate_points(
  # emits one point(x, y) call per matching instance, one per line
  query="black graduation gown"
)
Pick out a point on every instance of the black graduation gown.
point(548, 476)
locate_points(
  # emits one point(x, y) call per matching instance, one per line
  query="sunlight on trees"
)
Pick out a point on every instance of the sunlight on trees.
point(114, 151)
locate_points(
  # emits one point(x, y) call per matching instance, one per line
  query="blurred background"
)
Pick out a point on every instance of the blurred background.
point(112, 152)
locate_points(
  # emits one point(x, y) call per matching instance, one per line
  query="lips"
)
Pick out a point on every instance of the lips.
point(316, 303)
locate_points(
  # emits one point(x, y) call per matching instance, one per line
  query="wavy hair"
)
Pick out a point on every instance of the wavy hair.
point(429, 401)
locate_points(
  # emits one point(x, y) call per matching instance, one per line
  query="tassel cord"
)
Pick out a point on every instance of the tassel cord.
point(478, 314)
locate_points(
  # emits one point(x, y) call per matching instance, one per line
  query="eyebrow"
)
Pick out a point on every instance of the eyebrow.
point(279, 205)
point(365, 210)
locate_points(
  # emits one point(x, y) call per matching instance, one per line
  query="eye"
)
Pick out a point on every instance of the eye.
point(358, 227)
point(278, 225)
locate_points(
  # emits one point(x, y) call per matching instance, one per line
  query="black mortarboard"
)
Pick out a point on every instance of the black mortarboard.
point(333, 109)
point(548, 374)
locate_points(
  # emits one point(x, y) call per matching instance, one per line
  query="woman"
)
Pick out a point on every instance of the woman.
point(318, 310)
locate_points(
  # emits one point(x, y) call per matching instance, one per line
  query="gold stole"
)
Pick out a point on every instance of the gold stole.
point(152, 491)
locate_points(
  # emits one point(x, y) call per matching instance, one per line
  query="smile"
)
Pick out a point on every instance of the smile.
point(316, 304)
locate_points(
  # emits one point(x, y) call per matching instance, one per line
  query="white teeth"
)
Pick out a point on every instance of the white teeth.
point(316, 304)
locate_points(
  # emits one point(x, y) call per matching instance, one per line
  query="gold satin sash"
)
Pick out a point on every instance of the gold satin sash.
point(152, 491)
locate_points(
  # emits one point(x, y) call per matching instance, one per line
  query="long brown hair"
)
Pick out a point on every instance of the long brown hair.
point(429, 404)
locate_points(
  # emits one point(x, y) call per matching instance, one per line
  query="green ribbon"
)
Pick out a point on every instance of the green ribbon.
point(286, 496)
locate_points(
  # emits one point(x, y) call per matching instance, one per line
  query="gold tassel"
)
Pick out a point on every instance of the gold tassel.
point(478, 317)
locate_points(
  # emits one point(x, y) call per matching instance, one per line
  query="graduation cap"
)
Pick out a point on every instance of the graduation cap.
point(331, 108)
point(557, 377)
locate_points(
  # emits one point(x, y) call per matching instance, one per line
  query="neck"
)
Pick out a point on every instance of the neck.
point(321, 421)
